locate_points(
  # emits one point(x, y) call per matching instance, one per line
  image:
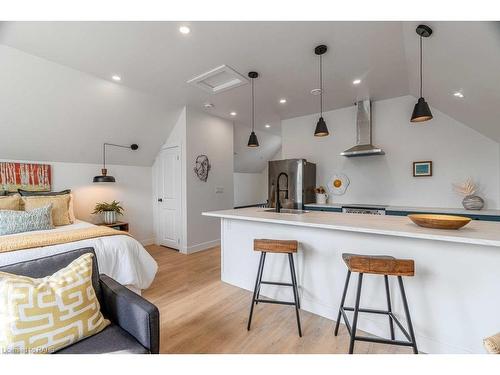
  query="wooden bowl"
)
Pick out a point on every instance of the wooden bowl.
point(439, 221)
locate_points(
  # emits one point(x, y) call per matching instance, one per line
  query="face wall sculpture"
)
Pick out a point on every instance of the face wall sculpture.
point(202, 167)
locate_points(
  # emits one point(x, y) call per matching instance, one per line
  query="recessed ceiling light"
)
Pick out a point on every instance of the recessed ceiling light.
point(458, 94)
point(356, 82)
point(184, 30)
point(116, 78)
point(316, 91)
point(282, 100)
point(208, 106)
point(267, 126)
point(233, 113)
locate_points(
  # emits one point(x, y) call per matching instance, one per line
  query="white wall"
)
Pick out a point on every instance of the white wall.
point(249, 189)
point(51, 112)
point(456, 150)
point(213, 137)
point(132, 188)
point(199, 133)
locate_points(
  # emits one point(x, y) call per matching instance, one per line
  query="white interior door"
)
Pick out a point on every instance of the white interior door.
point(169, 197)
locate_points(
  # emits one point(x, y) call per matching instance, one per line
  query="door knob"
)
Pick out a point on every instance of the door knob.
point(160, 200)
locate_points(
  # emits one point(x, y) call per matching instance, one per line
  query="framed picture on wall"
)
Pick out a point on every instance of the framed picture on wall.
point(27, 176)
point(422, 168)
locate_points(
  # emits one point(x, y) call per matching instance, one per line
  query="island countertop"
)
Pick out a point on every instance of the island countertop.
point(476, 232)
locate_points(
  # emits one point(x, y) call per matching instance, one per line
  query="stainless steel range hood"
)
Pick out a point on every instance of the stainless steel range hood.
point(364, 145)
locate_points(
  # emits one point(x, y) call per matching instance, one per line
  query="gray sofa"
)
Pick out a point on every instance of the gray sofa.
point(134, 327)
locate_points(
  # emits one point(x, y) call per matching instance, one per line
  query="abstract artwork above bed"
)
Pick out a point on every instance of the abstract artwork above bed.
point(32, 177)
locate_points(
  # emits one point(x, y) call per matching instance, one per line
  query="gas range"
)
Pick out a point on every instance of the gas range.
point(365, 209)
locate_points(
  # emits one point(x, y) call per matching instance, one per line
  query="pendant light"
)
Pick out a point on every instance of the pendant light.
point(104, 172)
point(321, 129)
point(422, 112)
point(252, 140)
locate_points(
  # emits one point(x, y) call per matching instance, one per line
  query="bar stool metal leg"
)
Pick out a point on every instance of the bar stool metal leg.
point(260, 279)
point(342, 302)
point(257, 286)
point(389, 307)
point(295, 292)
point(295, 277)
point(356, 311)
point(407, 313)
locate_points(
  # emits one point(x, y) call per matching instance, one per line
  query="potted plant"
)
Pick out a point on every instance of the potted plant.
point(468, 190)
point(109, 211)
point(321, 195)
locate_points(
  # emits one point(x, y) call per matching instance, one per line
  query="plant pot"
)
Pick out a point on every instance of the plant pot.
point(109, 217)
point(473, 202)
point(321, 198)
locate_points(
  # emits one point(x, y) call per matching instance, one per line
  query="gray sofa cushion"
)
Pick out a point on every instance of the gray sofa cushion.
point(112, 340)
point(42, 267)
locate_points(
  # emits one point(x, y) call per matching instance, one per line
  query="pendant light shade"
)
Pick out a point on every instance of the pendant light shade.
point(104, 177)
point(104, 172)
point(252, 140)
point(321, 128)
point(422, 112)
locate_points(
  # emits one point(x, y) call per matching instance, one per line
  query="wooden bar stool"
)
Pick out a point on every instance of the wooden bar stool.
point(378, 265)
point(275, 246)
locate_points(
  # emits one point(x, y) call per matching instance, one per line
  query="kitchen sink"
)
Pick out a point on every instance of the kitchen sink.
point(287, 211)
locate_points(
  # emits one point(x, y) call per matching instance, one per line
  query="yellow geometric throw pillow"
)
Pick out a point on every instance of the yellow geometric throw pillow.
point(45, 315)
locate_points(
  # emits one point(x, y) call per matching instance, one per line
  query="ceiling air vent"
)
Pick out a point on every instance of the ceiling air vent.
point(219, 79)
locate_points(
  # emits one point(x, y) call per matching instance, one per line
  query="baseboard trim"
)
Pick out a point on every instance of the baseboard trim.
point(202, 246)
point(148, 241)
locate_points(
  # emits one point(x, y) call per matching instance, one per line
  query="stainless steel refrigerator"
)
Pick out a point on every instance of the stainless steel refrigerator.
point(297, 182)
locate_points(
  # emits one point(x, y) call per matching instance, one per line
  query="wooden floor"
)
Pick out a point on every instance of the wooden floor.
point(201, 314)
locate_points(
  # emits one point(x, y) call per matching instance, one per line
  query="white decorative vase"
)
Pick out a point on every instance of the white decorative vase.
point(321, 198)
point(109, 217)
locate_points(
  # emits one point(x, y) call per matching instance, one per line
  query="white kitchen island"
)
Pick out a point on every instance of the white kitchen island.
point(454, 298)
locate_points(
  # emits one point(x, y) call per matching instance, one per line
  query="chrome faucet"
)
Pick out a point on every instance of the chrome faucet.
point(278, 190)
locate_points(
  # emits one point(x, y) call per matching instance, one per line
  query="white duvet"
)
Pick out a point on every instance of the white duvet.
point(121, 257)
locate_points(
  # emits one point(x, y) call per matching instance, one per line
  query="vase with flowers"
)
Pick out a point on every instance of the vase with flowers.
point(321, 196)
point(468, 190)
point(109, 211)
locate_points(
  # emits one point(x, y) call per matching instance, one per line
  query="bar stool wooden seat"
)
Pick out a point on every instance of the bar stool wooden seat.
point(275, 246)
point(378, 265)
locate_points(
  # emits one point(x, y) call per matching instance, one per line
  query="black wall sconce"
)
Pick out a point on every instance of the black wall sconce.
point(104, 172)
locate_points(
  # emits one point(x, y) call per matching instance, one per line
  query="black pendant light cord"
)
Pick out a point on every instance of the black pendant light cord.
point(421, 70)
point(253, 108)
point(321, 85)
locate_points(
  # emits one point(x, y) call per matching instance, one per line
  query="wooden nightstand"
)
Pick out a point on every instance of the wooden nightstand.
point(120, 225)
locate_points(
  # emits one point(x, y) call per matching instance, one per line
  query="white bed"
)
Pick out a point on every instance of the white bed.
point(121, 257)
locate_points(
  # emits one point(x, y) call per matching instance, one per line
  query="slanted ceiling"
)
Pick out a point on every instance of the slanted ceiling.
point(57, 100)
point(250, 159)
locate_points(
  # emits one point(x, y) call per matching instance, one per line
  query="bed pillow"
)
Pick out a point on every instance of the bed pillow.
point(60, 207)
point(2, 193)
point(26, 193)
point(25, 221)
point(62, 309)
point(10, 202)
